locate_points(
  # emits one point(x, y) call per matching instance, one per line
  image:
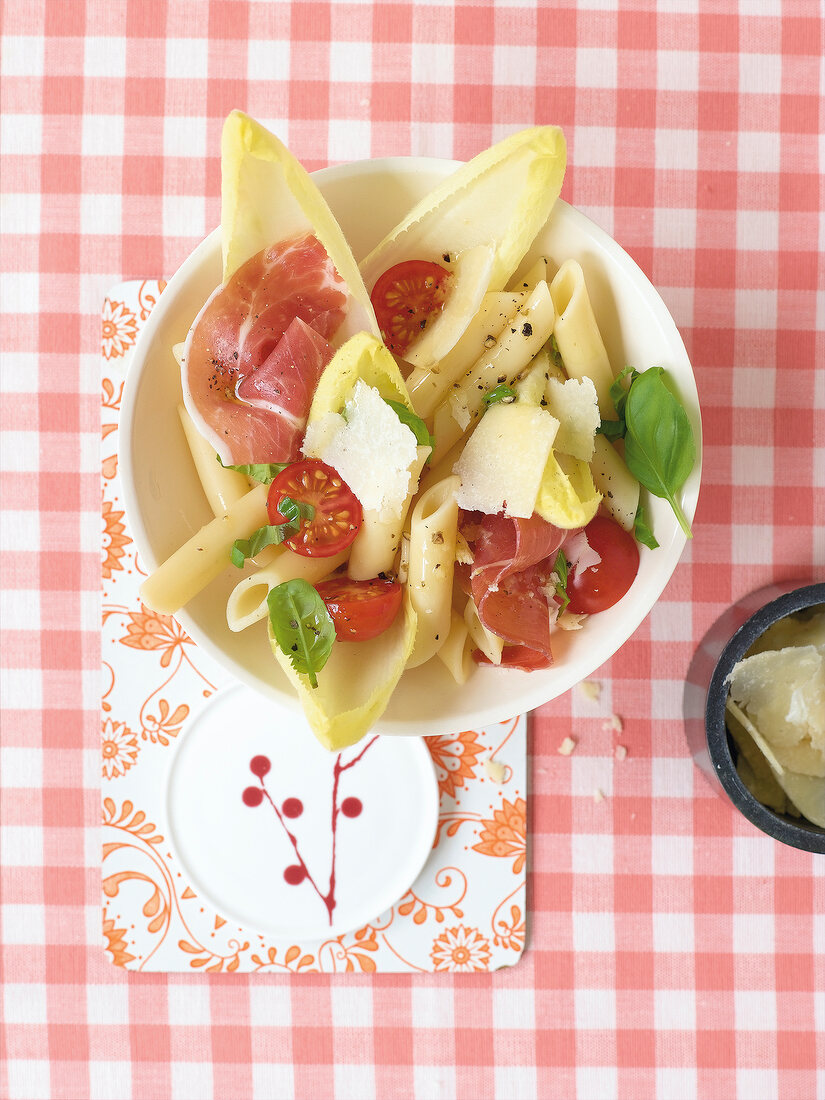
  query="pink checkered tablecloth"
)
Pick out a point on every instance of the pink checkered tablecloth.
point(673, 951)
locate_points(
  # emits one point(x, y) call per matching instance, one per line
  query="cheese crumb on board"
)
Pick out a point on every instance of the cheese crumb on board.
point(591, 689)
point(621, 752)
point(369, 447)
point(495, 769)
point(598, 795)
point(503, 461)
point(614, 723)
point(567, 746)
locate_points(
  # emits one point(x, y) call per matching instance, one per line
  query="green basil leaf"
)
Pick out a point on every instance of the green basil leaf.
point(659, 446)
point(416, 425)
point(302, 626)
point(612, 429)
point(642, 529)
point(295, 513)
point(560, 568)
point(555, 354)
point(615, 429)
point(265, 472)
point(502, 392)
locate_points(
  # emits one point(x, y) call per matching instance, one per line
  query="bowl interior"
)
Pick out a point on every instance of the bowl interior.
point(166, 505)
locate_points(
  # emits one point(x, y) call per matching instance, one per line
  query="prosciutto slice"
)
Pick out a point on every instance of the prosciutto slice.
point(513, 560)
point(257, 349)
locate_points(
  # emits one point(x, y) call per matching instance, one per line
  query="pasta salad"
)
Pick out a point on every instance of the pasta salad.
point(416, 459)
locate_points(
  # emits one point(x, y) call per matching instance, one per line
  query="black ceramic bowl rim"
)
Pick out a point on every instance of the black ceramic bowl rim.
point(810, 838)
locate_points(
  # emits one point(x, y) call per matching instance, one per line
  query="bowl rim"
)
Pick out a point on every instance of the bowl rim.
point(519, 691)
point(777, 826)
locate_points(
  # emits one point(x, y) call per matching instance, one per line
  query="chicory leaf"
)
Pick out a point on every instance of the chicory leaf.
point(642, 529)
point(659, 446)
point(302, 626)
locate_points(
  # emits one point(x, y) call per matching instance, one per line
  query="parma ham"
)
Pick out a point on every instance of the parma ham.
point(512, 563)
point(257, 348)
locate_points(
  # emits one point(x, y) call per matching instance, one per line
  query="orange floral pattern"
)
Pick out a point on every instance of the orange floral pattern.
point(166, 725)
point(455, 759)
point(461, 950)
point(506, 834)
point(119, 328)
point(119, 748)
point(148, 630)
point(116, 943)
point(113, 540)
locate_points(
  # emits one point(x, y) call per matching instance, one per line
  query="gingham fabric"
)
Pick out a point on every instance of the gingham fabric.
point(673, 951)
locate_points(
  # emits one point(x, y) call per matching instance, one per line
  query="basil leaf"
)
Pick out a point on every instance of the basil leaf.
point(265, 472)
point(555, 354)
point(560, 569)
point(302, 626)
point(416, 425)
point(615, 429)
point(502, 392)
point(642, 529)
point(659, 446)
point(295, 511)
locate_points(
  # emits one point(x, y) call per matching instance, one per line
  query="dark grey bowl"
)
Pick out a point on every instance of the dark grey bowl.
point(706, 692)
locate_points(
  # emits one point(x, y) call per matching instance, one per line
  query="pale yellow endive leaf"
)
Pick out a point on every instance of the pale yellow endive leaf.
point(355, 684)
point(267, 197)
point(365, 357)
point(567, 496)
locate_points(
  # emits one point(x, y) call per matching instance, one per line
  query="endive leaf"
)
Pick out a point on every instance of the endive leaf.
point(267, 197)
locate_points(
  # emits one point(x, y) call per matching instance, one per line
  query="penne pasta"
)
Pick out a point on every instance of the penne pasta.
point(429, 386)
point(222, 487)
point(377, 543)
point(619, 488)
point(489, 643)
point(200, 560)
point(577, 334)
point(433, 528)
point(247, 600)
point(537, 272)
point(457, 651)
point(527, 331)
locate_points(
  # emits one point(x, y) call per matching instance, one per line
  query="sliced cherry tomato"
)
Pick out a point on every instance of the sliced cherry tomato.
point(599, 587)
point(360, 610)
point(337, 515)
point(406, 298)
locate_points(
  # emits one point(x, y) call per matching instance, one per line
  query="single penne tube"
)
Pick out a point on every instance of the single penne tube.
point(457, 651)
point(222, 487)
point(378, 541)
point(577, 334)
point(433, 529)
point(204, 556)
point(532, 382)
point(538, 271)
point(428, 386)
point(247, 600)
point(489, 643)
point(434, 474)
point(528, 330)
point(619, 488)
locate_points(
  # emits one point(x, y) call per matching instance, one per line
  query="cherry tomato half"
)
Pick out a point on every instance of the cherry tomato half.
point(599, 587)
point(360, 610)
point(406, 298)
point(337, 510)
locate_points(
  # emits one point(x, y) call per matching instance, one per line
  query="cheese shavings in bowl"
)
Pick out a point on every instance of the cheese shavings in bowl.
point(776, 716)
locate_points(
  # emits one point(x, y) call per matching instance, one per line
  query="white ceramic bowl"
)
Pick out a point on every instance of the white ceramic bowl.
point(166, 505)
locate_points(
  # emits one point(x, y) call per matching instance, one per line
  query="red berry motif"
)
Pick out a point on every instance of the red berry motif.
point(260, 765)
point(291, 808)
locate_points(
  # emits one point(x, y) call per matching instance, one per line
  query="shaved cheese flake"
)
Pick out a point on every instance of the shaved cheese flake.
point(495, 769)
point(369, 447)
point(502, 465)
point(576, 406)
point(591, 689)
point(567, 746)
